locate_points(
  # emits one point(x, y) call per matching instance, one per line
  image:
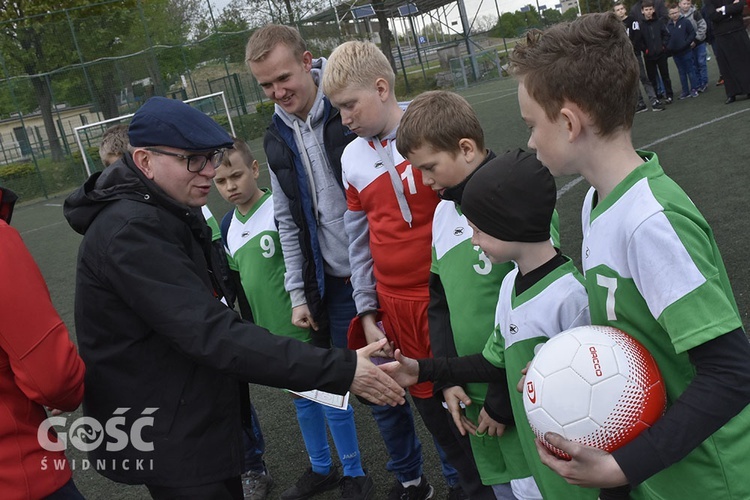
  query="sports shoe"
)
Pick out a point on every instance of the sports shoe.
point(702, 88)
point(720, 82)
point(684, 96)
point(422, 491)
point(657, 106)
point(694, 93)
point(255, 485)
point(357, 488)
point(311, 483)
point(668, 100)
point(641, 108)
point(457, 493)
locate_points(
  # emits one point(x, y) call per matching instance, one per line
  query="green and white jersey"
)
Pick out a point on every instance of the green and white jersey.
point(471, 283)
point(211, 221)
point(653, 270)
point(552, 305)
point(253, 250)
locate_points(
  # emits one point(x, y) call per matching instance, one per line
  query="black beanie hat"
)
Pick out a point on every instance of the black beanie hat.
point(511, 198)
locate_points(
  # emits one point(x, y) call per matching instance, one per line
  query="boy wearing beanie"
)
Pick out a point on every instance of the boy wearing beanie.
point(441, 136)
point(509, 204)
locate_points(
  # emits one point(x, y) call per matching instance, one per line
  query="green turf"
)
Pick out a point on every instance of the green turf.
point(702, 143)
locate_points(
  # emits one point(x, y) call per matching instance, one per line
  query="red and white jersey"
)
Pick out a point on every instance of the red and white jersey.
point(401, 250)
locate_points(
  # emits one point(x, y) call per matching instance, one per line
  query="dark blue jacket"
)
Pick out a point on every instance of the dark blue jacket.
point(681, 35)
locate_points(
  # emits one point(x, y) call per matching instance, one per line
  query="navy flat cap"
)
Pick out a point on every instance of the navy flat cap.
point(169, 122)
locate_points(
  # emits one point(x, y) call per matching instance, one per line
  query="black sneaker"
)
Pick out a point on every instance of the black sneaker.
point(641, 108)
point(422, 491)
point(357, 488)
point(657, 106)
point(668, 100)
point(312, 483)
point(457, 493)
point(255, 485)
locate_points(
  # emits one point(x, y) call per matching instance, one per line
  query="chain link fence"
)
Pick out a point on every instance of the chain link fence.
point(74, 67)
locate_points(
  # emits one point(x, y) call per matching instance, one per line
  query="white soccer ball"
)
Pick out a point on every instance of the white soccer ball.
point(595, 385)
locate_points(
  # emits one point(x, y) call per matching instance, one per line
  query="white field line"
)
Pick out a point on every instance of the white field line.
point(567, 187)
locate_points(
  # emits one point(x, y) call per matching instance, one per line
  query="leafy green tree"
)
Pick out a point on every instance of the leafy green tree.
point(570, 14)
point(552, 16)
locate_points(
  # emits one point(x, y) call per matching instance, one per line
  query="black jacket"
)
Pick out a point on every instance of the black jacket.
point(728, 22)
point(655, 38)
point(154, 335)
point(284, 160)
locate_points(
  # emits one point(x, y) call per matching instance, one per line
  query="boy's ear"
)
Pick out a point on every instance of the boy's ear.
point(574, 119)
point(468, 149)
point(383, 88)
point(255, 169)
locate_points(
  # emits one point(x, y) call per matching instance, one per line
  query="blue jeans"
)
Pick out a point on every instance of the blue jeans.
point(396, 424)
point(699, 60)
point(255, 445)
point(686, 69)
point(341, 308)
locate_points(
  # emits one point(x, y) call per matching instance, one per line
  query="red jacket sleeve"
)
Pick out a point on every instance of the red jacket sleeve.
point(42, 358)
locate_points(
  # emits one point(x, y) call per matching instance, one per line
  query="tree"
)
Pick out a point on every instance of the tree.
point(384, 31)
point(36, 44)
point(485, 23)
point(281, 11)
point(552, 16)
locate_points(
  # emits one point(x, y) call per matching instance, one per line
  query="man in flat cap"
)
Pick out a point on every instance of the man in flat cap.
point(163, 353)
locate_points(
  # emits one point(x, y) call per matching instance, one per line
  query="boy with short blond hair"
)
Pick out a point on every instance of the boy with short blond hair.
point(652, 268)
point(254, 251)
point(389, 221)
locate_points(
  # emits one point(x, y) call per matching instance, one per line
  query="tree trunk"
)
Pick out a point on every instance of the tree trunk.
point(45, 105)
point(385, 32)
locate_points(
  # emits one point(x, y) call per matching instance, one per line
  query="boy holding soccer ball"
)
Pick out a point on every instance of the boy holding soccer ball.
point(509, 203)
point(652, 269)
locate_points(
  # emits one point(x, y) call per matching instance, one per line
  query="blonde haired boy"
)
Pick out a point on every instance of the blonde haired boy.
point(651, 265)
point(388, 221)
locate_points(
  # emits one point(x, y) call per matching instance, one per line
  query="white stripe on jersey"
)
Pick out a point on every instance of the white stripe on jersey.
point(635, 239)
point(260, 221)
point(449, 228)
point(525, 322)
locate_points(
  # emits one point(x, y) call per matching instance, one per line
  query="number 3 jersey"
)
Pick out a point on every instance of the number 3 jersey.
point(253, 250)
point(653, 270)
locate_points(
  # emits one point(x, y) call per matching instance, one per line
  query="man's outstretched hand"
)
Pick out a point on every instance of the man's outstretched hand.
point(373, 384)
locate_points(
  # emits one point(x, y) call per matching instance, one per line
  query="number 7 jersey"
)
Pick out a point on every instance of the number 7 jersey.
point(653, 270)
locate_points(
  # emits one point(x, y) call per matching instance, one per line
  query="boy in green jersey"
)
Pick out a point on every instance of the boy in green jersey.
point(507, 205)
point(251, 239)
point(652, 268)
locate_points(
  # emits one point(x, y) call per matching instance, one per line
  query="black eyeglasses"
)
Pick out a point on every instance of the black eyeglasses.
point(195, 163)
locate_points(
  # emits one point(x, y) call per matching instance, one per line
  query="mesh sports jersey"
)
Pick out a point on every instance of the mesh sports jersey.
point(253, 249)
point(653, 270)
point(552, 305)
point(471, 283)
point(400, 250)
